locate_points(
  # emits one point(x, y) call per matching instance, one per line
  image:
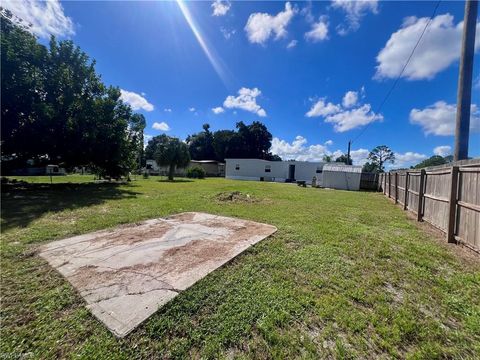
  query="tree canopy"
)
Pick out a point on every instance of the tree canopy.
point(344, 159)
point(56, 109)
point(171, 152)
point(378, 157)
point(248, 141)
point(431, 161)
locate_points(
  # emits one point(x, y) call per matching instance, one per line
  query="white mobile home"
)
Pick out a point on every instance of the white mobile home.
point(342, 177)
point(280, 171)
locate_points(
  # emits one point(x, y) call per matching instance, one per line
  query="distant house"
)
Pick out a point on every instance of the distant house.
point(342, 177)
point(212, 168)
point(279, 171)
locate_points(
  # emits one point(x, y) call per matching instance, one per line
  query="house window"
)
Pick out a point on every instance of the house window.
point(319, 170)
point(237, 167)
point(268, 168)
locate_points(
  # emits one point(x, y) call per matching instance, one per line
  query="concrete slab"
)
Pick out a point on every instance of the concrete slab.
point(126, 274)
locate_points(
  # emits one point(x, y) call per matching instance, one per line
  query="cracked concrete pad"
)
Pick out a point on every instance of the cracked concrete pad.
point(126, 274)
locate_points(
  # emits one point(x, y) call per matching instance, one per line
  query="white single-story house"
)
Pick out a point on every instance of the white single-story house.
point(211, 167)
point(279, 171)
point(342, 177)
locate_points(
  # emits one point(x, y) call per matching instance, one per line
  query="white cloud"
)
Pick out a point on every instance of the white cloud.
point(299, 150)
point(261, 26)
point(246, 100)
point(162, 126)
point(439, 118)
point(218, 110)
point(345, 117)
point(292, 44)
point(355, 11)
point(220, 7)
point(360, 156)
point(407, 159)
point(41, 18)
point(191, 109)
point(350, 99)
point(438, 49)
point(321, 108)
point(146, 139)
point(227, 34)
point(167, 110)
point(136, 101)
point(443, 150)
point(318, 32)
point(353, 118)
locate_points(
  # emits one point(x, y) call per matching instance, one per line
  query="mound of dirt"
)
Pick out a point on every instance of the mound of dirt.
point(235, 196)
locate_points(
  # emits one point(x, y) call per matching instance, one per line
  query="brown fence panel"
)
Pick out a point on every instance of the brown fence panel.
point(369, 181)
point(401, 178)
point(436, 198)
point(447, 197)
point(413, 190)
point(468, 207)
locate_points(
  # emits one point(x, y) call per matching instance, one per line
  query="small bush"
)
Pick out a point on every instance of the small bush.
point(146, 175)
point(196, 172)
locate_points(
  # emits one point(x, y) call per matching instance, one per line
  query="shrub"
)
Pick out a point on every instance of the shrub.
point(146, 175)
point(196, 172)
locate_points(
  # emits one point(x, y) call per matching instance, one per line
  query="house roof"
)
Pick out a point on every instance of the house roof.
point(206, 161)
point(342, 168)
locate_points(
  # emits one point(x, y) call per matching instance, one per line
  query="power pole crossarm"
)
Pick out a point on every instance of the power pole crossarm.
point(464, 94)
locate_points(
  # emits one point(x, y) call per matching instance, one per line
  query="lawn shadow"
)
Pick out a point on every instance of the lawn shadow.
point(175, 181)
point(23, 203)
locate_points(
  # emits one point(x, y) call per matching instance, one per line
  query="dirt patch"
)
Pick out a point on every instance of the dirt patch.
point(128, 235)
point(235, 197)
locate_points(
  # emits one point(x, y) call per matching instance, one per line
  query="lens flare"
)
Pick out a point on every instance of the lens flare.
point(208, 50)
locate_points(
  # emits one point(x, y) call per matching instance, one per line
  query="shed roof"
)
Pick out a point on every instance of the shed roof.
point(342, 168)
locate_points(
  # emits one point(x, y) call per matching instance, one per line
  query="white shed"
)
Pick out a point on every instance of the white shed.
point(342, 177)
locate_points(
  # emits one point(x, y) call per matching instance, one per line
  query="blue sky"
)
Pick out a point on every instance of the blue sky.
point(313, 72)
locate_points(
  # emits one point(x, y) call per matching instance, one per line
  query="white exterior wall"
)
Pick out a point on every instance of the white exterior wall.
point(341, 180)
point(305, 171)
point(254, 169)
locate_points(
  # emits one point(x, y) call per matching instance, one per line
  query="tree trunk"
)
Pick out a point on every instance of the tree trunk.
point(171, 170)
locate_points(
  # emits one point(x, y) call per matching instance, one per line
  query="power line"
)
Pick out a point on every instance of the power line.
point(389, 92)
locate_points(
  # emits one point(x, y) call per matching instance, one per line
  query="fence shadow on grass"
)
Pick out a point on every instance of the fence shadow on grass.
point(23, 203)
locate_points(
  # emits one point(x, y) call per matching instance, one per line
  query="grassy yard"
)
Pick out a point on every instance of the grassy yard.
point(347, 275)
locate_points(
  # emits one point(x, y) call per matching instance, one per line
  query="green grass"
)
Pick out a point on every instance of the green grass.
point(347, 275)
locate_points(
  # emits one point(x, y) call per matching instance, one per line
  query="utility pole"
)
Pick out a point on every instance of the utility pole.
point(464, 94)
point(348, 152)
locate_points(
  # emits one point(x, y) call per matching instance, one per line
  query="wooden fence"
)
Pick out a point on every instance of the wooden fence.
point(447, 197)
point(369, 181)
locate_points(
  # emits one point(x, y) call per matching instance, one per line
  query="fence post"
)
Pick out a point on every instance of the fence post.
point(452, 205)
point(405, 195)
point(389, 185)
point(420, 195)
point(385, 184)
point(396, 187)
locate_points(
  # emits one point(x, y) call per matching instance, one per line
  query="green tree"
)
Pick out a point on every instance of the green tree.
point(343, 159)
point(370, 168)
point(200, 145)
point(56, 109)
point(171, 152)
point(431, 161)
point(222, 144)
point(379, 156)
point(327, 158)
